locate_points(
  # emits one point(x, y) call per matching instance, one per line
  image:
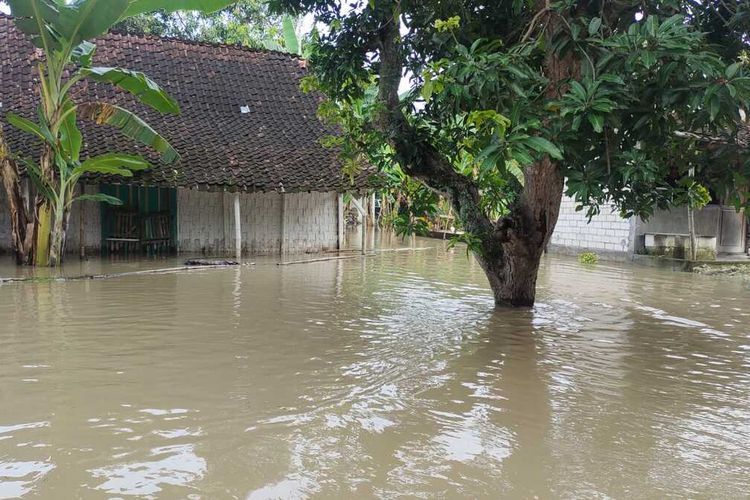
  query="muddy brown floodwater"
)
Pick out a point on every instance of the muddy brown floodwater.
point(384, 377)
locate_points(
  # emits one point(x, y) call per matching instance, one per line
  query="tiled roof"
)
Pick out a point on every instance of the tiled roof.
point(274, 144)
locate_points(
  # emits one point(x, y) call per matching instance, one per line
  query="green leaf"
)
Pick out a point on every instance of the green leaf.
point(522, 156)
point(597, 121)
point(70, 135)
point(130, 125)
point(86, 19)
point(83, 54)
point(290, 34)
point(99, 197)
point(138, 84)
point(145, 6)
point(542, 145)
point(112, 164)
point(34, 17)
point(648, 58)
point(426, 91)
point(29, 127)
point(714, 106)
point(575, 31)
point(578, 90)
point(58, 24)
point(514, 168)
point(594, 26)
point(732, 70)
point(38, 180)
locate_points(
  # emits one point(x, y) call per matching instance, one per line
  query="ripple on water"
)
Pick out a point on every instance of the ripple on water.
point(381, 377)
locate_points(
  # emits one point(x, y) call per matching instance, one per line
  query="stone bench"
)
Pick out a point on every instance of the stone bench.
point(677, 246)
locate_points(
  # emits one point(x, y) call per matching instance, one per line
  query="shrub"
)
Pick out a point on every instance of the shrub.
point(588, 258)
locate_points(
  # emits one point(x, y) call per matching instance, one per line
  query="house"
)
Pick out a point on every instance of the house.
point(251, 162)
point(722, 232)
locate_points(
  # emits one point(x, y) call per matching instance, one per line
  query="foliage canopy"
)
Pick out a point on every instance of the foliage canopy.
point(649, 115)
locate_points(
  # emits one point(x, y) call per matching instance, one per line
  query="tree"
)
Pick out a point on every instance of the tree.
point(247, 22)
point(292, 41)
point(63, 31)
point(507, 99)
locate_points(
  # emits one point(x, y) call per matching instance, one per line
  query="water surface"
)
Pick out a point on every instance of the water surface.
point(379, 377)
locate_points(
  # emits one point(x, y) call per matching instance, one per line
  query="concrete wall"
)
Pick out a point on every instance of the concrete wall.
point(675, 221)
point(607, 233)
point(205, 222)
point(721, 222)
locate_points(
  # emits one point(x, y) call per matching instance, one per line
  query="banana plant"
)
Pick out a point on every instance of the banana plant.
point(293, 42)
point(64, 30)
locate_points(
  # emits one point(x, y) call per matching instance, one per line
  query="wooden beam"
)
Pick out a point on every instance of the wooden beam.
point(282, 237)
point(237, 228)
point(363, 213)
point(372, 209)
point(81, 231)
point(341, 224)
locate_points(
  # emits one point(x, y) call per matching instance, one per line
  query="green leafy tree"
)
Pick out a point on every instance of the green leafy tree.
point(247, 22)
point(636, 103)
point(64, 30)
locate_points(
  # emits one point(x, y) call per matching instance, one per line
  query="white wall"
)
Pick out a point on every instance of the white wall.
point(205, 222)
point(607, 232)
point(92, 232)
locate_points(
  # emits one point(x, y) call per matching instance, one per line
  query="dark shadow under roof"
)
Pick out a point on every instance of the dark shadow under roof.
point(274, 144)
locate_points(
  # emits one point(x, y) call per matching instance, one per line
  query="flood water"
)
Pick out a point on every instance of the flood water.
point(381, 377)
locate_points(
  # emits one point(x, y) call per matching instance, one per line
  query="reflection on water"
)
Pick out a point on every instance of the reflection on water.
point(388, 376)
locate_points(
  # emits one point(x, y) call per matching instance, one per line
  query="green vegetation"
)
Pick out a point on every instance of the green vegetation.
point(247, 22)
point(64, 31)
point(635, 103)
point(588, 258)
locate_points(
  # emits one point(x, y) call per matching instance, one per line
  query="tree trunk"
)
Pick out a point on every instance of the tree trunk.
point(510, 249)
point(42, 230)
point(45, 214)
point(511, 262)
point(21, 226)
point(57, 237)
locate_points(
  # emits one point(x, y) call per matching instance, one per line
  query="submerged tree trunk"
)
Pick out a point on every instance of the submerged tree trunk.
point(511, 260)
point(57, 237)
point(45, 214)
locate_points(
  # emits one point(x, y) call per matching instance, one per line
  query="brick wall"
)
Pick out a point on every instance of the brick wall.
point(607, 232)
point(205, 222)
